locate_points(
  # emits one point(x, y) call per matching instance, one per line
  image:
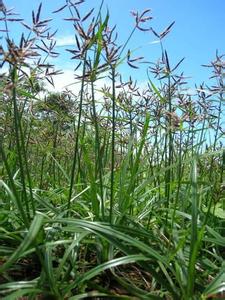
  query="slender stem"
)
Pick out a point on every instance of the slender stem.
point(113, 143)
point(17, 128)
point(77, 135)
point(98, 165)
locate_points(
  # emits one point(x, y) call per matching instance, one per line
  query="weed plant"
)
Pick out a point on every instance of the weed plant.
point(112, 192)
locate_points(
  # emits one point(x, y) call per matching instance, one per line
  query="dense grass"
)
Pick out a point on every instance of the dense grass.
point(113, 191)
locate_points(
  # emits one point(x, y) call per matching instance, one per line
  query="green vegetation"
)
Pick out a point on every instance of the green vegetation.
point(113, 192)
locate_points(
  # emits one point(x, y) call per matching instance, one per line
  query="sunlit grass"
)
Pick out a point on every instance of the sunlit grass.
point(113, 192)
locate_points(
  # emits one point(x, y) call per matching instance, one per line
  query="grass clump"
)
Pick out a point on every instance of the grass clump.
point(112, 191)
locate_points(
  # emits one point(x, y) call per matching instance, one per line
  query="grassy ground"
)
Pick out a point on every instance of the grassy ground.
point(114, 192)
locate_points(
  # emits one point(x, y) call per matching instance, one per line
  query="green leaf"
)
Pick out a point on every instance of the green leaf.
point(107, 265)
point(32, 234)
point(106, 230)
point(22, 292)
point(156, 91)
point(196, 236)
point(217, 286)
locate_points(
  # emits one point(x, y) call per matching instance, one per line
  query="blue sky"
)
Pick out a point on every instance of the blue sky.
point(197, 33)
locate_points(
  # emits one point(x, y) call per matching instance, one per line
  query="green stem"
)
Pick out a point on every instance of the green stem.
point(75, 155)
point(113, 143)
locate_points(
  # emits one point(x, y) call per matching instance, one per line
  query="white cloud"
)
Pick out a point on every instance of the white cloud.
point(68, 40)
point(63, 81)
point(4, 69)
point(68, 81)
point(154, 42)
